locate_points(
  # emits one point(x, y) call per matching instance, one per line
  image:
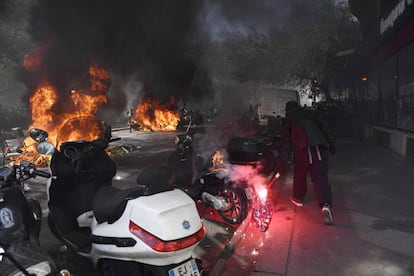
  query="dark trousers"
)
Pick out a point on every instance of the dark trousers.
point(318, 170)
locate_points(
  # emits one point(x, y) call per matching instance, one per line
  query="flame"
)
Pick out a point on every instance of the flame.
point(218, 161)
point(78, 123)
point(155, 116)
point(87, 104)
point(33, 61)
point(262, 193)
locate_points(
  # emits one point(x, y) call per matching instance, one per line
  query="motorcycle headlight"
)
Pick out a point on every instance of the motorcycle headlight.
point(40, 269)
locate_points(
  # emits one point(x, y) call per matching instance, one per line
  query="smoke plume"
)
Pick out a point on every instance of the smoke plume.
point(150, 41)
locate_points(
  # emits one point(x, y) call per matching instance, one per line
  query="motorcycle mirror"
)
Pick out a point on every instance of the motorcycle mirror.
point(38, 135)
point(45, 148)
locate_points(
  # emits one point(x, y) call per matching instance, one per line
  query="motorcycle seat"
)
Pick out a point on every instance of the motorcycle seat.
point(109, 202)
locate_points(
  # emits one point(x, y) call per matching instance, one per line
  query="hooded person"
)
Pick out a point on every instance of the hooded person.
point(312, 142)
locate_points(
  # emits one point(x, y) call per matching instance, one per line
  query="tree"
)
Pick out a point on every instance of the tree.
point(305, 48)
point(14, 44)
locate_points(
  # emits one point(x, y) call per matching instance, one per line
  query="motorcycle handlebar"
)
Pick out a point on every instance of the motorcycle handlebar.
point(41, 173)
point(29, 169)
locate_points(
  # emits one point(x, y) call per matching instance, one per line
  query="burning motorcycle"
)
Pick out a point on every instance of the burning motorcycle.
point(230, 201)
point(20, 222)
point(259, 152)
point(225, 184)
point(150, 229)
point(189, 117)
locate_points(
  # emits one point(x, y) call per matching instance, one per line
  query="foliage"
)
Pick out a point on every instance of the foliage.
point(14, 117)
point(304, 48)
point(13, 32)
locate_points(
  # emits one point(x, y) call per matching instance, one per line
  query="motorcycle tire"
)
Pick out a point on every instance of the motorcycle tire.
point(268, 163)
point(238, 205)
point(36, 210)
point(53, 229)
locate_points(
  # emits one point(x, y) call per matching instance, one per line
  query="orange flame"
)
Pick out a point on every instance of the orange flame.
point(218, 161)
point(78, 123)
point(154, 116)
point(33, 60)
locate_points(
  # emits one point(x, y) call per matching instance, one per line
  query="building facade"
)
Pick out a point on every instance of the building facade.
point(385, 71)
point(385, 62)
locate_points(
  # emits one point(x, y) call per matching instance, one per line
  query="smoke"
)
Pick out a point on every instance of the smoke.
point(159, 44)
point(242, 174)
point(151, 42)
point(224, 18)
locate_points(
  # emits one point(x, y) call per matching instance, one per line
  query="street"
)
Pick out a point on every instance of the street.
point(149, 148)
point(372, 232)
point(336, 75)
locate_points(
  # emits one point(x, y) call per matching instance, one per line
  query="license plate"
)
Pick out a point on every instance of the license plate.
point(188, 268)
point(249, 192)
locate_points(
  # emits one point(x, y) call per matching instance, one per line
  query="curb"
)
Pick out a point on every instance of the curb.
point(228, 250)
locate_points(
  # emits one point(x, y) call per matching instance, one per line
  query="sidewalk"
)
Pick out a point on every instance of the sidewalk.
point(373, 231)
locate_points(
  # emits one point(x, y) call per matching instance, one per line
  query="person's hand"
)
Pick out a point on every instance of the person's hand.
point(332, 149)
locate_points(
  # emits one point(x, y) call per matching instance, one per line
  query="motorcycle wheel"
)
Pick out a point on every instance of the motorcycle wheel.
point(268, 163)
point(36, 210)
point(53, 229)
point(237, 201)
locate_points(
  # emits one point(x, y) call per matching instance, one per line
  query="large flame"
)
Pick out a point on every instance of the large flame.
point(152, 115)
point(77, 121)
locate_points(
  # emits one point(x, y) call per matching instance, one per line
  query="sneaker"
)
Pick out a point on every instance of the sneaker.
point(296, 201)
point(327, 214)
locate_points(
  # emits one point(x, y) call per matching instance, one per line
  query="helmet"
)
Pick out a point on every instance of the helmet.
point(291, 106)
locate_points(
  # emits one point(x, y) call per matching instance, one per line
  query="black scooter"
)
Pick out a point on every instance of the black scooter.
point(20, 222)
point(261, 152)
point(230, 201)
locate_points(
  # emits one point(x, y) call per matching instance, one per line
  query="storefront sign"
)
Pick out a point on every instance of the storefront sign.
point(407, 95)
point(388, 21)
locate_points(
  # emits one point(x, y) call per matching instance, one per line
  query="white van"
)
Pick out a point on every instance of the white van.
point(273, 101)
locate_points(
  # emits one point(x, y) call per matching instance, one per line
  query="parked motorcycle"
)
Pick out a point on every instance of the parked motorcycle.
point(7, 152)
point(189, 117)
point(230, 201)
point(259, 151)
point(150, 229)
point(20, 222)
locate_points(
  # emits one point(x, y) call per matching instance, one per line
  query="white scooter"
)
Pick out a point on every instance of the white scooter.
point(151, 229)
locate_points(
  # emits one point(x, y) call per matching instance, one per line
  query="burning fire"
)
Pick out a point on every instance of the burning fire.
point(33, 60)
point(79, 122)
point(218, 161)
point(245, 174)
point(154, 116)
